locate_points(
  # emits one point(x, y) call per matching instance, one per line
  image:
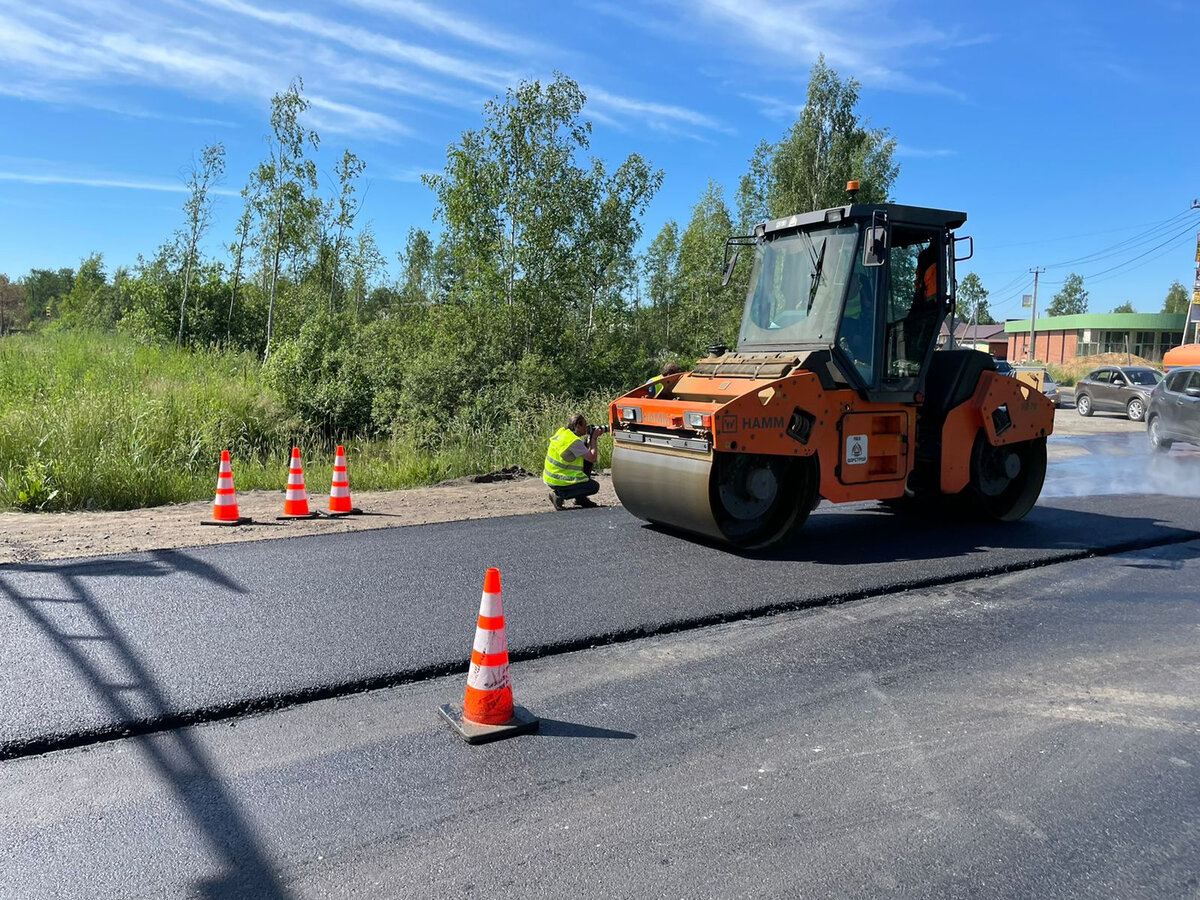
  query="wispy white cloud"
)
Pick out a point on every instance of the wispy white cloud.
point(871, 40)
point(773, 107)
point(116, 181)
point(905, 150)
point(331, 115)
point(411, 175)
point(454, 24)
point(658, 115)
point(364, 40)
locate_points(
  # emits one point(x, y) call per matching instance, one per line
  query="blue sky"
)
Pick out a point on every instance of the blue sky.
point(1067, 131)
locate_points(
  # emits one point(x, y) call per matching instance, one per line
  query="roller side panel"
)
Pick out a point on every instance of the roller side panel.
point(1006, 410)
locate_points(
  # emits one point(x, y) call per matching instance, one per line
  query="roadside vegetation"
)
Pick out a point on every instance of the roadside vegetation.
point(529, 301)
point(92, 420)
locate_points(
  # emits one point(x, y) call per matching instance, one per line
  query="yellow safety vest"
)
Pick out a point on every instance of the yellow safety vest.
point(558, 472)
point(655, 385)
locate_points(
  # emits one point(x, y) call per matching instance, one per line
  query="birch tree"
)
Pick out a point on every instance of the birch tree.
point(285, 188)
point(826, 147)
point(204, 175)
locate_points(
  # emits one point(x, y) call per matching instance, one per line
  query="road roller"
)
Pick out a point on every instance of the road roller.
point(835, 390)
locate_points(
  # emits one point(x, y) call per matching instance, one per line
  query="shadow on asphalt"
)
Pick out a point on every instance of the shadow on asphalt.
point(878, 535)
point(557, 728)
point(84, 634)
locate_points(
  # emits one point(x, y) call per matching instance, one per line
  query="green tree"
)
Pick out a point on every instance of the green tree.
point(1177, 299)
point(237, 249)
point(284, 186)
point(826, 147)
point(365, 262)
point(662, 260)
point(607, 233)
point(344, 210)
point(84, 304)
point(1125, 307)
point(43, 288)
point(417, 268)
point(972, 303)
point(203, 176)
point(536, 239)
point(709, 312)
point(12, 305)
point(1071, 300)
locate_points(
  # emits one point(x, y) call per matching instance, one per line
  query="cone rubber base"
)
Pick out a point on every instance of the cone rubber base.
point(311, 515)
point(522, 722)
point(242, 520)
point(337, 515)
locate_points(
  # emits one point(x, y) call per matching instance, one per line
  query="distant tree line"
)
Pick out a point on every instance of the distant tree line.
point(532, 287)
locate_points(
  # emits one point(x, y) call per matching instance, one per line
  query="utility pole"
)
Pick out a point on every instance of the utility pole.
point(1033, 319)
point(1193, 314)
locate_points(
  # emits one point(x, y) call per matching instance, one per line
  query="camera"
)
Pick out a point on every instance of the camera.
point(597, 430)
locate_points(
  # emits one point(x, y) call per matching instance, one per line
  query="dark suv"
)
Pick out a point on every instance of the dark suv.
point(1175, 409)
point(1123, 389)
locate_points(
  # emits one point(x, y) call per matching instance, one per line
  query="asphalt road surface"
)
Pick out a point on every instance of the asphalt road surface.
point(1024, 722)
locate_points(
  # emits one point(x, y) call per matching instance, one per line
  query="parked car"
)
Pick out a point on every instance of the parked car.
point(1123, 389)
point(1174, 411)
point(1003, 366)
point(1040, 377)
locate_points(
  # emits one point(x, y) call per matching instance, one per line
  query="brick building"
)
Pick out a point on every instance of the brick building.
point(1063, 338)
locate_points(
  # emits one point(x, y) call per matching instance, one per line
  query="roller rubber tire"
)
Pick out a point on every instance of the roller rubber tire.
point(1017, 498)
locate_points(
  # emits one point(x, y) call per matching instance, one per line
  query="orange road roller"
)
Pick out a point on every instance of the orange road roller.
point(835, 390)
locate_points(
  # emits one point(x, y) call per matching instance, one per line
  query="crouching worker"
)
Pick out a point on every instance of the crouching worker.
point(569, 461)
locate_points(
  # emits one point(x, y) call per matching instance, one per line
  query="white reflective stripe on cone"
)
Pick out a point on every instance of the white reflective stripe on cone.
point(225, 500)
point(296, 494)
point(488, 678)
point(297, 478)
point(491, 605)
point(488, 641)
point(339, 490)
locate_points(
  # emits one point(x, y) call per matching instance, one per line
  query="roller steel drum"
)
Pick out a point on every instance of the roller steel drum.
point(748, 500)
point(667, 488)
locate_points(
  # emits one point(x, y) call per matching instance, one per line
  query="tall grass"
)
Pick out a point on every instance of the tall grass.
point(97, 421)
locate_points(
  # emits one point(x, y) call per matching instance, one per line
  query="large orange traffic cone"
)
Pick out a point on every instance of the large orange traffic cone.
point(295, 501)
point(339, 487)
point(487, 712)
point(225, 505)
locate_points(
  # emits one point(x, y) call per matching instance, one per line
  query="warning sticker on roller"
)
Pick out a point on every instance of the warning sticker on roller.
point(856, 449)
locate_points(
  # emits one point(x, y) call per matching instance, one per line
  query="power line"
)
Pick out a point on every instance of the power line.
point(1169, 241)
point(1071, 237)
point(1129, 243)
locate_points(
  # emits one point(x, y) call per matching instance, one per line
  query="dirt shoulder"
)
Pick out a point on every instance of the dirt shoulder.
point(29, 537)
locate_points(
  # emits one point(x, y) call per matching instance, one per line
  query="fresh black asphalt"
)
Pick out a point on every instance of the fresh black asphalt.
point(1023, 735)
point(98, 647)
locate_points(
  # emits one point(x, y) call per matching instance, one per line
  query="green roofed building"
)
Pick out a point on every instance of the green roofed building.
point(1063, 338)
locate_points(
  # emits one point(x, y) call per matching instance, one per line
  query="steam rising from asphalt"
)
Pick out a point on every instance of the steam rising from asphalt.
point(1094, 464)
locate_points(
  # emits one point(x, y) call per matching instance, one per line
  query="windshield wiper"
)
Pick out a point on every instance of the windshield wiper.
point(818, 263)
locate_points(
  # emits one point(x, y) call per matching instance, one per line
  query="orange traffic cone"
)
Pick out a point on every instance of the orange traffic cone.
point(225, 505)
point(295, 501)
point(339, 488)
point(487, 712)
